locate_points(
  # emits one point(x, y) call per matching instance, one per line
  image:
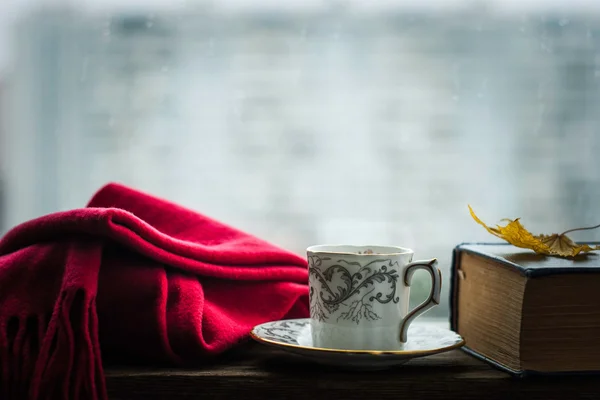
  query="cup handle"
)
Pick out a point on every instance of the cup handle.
point(434, 297)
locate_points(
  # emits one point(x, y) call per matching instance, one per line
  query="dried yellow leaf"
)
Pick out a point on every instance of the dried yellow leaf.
point(563, 246)
point(556, 244)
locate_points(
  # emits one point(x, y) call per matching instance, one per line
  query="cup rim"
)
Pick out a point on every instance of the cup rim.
point(330, 249)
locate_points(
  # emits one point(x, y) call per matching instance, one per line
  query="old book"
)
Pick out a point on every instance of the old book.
point(524, 312)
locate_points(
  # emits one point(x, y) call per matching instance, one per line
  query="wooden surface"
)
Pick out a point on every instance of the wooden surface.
point(258, 372)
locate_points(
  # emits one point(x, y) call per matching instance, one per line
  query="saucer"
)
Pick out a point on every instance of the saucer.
point(294, 336)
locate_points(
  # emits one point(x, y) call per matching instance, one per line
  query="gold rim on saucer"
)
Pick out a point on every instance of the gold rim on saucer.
point(276, 343)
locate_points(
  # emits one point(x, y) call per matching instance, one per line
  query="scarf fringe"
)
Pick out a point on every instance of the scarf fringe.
point(20, 337)
point(57, 360)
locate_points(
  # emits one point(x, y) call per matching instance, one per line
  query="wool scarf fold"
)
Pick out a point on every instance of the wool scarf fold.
point(131, 278)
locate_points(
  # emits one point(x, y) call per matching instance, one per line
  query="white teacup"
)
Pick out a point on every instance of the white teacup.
point(359, 295)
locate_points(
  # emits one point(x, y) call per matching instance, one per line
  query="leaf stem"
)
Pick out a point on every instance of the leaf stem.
point(580, 229)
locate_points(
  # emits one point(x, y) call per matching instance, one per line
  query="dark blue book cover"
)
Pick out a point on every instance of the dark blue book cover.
point(527, 264)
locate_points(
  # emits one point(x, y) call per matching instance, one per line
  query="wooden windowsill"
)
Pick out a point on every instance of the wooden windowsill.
point(258, 372)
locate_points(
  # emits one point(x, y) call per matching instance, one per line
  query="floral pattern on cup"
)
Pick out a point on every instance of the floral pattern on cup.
point(353, 294)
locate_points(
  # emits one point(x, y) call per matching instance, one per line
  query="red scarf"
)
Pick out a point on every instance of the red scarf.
point(131, 278)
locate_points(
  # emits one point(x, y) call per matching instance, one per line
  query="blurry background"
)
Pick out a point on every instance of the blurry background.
point(307, 122)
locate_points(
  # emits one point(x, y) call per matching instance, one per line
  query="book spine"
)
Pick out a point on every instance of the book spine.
point(454, 288)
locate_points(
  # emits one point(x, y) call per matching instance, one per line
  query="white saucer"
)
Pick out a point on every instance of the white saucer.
point(294, 336)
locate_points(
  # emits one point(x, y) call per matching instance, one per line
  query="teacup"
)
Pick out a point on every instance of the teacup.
point(359, 295)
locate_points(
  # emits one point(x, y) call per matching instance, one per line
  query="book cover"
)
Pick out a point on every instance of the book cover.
point(528, 264)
